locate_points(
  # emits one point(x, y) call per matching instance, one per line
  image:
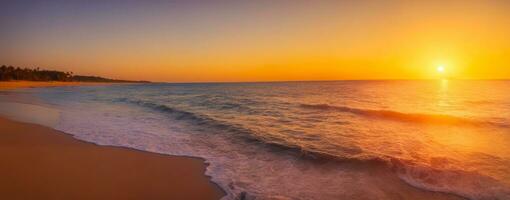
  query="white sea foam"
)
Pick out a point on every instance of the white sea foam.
point(237, 168)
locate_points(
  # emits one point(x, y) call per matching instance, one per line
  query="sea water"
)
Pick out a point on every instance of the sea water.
point(309, 140)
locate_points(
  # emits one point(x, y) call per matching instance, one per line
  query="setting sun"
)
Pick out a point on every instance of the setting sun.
point(440, 69)
point(331, 40)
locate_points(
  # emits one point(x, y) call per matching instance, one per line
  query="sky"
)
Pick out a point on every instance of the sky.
point(203, 41)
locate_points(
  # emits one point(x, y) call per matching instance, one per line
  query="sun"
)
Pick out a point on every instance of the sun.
point(440, 69)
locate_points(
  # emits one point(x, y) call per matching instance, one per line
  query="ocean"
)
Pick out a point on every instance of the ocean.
point(307, 140)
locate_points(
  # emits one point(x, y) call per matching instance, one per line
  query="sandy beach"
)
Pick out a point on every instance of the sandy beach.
point(7, 85)
point(41, 163)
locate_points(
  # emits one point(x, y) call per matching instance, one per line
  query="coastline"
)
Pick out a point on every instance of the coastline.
point(9, 85)
point(416, 192)
point(43, 163)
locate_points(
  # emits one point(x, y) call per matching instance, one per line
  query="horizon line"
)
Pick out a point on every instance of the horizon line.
point(331, 80)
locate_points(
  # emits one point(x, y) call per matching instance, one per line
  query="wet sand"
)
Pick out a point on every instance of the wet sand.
point(41, 163)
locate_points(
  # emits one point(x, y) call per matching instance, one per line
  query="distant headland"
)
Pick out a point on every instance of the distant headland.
point(11, 73)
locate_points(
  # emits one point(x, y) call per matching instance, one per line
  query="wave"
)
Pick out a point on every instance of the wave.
point(211, 125)
point(456, 181)
point(203, 122)
point(420, 118)
point(178, 114)
point(467, 184)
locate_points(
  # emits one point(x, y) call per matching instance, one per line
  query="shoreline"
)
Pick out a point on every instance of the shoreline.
point(47, 164)
point(10, 85)
point(198, 161)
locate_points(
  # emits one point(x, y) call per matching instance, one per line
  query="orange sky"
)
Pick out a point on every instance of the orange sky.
point(261, 41)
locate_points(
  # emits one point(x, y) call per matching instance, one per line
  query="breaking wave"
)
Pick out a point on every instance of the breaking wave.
point(464, 183)
point(420, 118)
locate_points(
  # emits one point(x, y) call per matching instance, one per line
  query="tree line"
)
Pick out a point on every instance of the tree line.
point(10, 73)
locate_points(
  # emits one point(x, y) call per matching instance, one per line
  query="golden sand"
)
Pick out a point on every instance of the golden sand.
point(29, 84)
point(41, 163)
